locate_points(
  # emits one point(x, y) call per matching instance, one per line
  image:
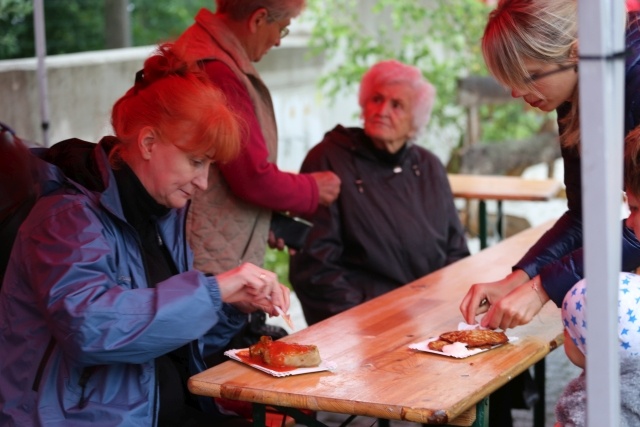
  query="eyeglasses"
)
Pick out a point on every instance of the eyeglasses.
point(284, 32)
point(560, 69)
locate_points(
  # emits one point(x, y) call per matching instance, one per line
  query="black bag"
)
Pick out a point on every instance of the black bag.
point(21, 184)
point(291, 229)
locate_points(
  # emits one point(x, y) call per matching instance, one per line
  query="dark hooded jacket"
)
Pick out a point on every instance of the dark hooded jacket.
point(558, 255)
point(394, 222)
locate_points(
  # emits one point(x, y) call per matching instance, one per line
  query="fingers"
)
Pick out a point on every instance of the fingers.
point(253, 285)
point(515, 309)
point(472, 304)
point(271, 240)
point(273, 292)
point(328, 186)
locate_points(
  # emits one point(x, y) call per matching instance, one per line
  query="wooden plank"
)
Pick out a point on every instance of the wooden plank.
point(497, 187)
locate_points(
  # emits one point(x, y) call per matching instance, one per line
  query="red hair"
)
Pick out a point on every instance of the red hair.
point(173, 96)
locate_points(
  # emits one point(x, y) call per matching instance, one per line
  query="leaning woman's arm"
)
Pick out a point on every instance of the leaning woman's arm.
point(557, 278)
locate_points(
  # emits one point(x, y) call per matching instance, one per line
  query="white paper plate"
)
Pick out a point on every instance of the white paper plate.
point(460, 352)
point(324, 366)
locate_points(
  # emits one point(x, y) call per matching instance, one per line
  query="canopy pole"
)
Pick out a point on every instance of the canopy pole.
point(602, 43)
point(41, 53)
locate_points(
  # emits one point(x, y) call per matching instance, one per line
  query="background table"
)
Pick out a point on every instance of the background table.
point(377, 375)
point(500, 188)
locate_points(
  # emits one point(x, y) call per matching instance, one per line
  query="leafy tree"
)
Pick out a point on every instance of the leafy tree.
point(153, 21)
point(14, 16)
point(442, 38)
point(79, 25)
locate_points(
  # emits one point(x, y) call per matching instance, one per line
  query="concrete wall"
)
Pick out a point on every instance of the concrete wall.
point(82, 88)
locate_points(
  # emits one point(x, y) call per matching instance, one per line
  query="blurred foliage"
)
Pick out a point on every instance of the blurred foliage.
point(155, 21)
point(442, 38)
point(16, 18)
point(79, 25)
point(278, 262)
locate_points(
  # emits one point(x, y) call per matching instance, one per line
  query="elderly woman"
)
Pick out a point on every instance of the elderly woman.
point(395, 219)
point(102, 318)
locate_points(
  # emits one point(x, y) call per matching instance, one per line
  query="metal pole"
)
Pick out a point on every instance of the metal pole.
point(601, 35)
point(41, 53)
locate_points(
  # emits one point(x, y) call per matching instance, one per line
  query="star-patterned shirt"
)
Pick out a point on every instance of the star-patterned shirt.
point(575, 320)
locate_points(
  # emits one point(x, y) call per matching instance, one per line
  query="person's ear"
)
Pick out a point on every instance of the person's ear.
point(146, 142)
point(573, 53)
point(258, 18)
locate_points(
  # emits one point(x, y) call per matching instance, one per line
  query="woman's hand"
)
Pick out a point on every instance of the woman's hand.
point(482, 296)
point(251, 288)
point(518, 307)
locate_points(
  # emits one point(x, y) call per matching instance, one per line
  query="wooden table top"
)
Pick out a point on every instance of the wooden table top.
point(495, 187)
point(377, 375)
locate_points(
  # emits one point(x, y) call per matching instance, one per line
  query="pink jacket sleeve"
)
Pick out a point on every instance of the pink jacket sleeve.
point(251, 176)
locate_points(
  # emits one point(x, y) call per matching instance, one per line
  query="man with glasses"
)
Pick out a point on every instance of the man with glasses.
point(229, 222)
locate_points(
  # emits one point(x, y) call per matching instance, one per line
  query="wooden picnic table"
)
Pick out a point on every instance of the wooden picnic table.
point(378, 375)
point(500, 188)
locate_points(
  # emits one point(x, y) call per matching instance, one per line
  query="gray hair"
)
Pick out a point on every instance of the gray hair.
point(278, 10)
point(392, 71)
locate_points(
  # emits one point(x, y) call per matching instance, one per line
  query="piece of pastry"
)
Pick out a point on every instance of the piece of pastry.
point(282, 354)
point(437, 345)
point(476, 337)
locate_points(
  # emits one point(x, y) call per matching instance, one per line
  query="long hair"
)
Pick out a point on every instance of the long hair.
point(539, 30)
point(392, 71)
point(240, 10)
point(173, 96)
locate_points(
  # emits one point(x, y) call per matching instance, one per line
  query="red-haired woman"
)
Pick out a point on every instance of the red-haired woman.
point(102, 317)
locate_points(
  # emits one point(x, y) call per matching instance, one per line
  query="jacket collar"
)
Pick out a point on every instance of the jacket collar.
point(210, 34)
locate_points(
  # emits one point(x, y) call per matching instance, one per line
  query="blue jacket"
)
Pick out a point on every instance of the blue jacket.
point(79, 325)
point(558, 255)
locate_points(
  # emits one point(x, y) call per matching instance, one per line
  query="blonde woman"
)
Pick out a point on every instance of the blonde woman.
point(531, 47)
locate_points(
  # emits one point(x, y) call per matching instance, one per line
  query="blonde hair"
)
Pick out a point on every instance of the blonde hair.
point(392, 71)
point(538, 30)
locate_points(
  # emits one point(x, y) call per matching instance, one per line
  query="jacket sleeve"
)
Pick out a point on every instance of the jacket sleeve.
point(558, 277)
point(251, 176)
point(98, 312)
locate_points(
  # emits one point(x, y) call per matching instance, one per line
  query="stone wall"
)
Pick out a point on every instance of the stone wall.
point(82, 87)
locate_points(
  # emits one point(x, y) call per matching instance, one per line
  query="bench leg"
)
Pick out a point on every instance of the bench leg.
point(482, 413)
point(482, 223)
point(539, 410)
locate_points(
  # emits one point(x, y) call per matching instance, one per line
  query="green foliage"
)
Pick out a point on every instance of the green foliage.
point(442, 38)
point(74, 26)
point(79, 25)
point(15, 18)
point(278, 262)
point(154, 22)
